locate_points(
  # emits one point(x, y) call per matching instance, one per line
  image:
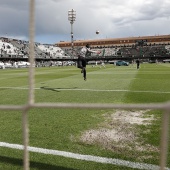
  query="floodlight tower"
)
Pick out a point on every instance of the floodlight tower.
point(72, 18)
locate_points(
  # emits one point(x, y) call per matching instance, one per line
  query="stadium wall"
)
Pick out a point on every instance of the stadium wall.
point(148, 40)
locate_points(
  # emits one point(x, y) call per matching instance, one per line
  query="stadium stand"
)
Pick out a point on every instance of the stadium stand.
point(7, 49)
point(51, 51)
point(149, 48)
point(20, 49)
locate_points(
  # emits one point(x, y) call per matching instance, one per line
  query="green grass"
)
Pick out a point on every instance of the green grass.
point(60, 129)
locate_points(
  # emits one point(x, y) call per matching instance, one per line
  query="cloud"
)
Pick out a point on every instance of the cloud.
point(113, 19)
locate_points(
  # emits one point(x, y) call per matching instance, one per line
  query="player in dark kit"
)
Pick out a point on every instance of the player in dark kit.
point(138, 63)
point(81, 62)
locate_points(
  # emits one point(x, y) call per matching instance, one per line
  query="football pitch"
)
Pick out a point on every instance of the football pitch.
point(86, 139)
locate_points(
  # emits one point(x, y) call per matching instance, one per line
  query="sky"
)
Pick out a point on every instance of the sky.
point(112, 18)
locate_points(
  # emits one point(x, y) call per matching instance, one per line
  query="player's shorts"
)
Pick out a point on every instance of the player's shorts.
point(81, 62)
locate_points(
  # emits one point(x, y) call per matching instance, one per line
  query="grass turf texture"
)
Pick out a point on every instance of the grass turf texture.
point(60, 128)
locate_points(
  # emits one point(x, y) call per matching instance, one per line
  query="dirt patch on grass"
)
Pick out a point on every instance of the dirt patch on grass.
point(119, 132)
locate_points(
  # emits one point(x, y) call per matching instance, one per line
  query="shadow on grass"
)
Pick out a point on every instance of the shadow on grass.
point(55, 89)
point(37, 165)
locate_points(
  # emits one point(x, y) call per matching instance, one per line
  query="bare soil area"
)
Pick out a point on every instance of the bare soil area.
point(119, 132)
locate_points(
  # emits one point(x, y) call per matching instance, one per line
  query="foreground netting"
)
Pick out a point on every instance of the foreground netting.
point(165, 107)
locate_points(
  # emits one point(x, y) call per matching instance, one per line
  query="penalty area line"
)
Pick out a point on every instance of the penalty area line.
point(98, 159)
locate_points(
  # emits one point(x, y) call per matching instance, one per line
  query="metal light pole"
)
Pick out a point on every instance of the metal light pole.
point(72, 18)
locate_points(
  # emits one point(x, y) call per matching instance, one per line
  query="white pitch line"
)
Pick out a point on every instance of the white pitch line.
point(95, 90)
point(85, 157)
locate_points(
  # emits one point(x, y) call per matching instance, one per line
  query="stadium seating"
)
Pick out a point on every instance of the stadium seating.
point(48, 54)
point(20, 49)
